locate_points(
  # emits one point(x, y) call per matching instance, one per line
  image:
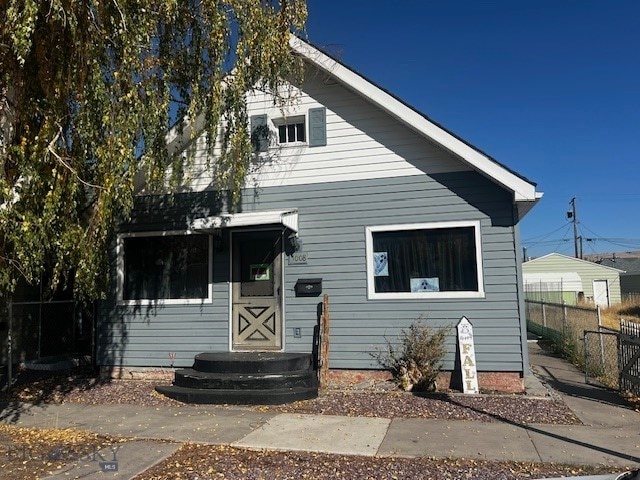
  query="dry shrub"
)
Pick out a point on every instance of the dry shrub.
point(415, 359)
point(628, 309)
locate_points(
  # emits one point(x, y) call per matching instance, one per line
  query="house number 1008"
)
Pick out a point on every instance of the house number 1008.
point(298, 258)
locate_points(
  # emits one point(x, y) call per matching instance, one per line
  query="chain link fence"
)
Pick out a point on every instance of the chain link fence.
point(609, 358)
point(601, 355)
point(42, 334)
point(562, 324)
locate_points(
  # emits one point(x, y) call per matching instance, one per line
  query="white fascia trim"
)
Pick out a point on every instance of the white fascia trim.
point(578, 260)
point(161, 301)
point(523, 190)
point(371, 291)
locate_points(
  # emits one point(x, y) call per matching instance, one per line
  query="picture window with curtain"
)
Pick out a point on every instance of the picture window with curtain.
point(168, 268)
point(425, 260)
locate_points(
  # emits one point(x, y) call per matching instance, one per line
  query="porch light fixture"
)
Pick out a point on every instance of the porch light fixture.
point(296, 243)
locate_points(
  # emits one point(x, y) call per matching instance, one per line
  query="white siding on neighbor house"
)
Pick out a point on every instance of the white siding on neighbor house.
point(565, 281)
point(363, 142)
point(588, 272)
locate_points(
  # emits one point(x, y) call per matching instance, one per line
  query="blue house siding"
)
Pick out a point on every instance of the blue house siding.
point(332, 221)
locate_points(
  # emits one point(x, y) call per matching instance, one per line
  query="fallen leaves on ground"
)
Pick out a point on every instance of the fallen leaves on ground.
point(633, 400)
point(36, 388)
point(29, 453)
point(204, 462)
point(353, 403)
point(485, 408)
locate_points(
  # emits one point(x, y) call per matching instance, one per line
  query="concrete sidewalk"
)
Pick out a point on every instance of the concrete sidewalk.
point(610, 433)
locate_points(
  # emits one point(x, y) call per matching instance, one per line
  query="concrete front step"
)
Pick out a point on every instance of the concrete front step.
point(238, 397)
point(252, 362)
point(253, 378)
point(191, 378)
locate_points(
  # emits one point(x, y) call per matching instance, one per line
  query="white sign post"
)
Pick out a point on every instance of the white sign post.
point(467, 356)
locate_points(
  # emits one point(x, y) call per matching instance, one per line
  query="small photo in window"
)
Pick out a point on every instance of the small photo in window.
point(260, 272)
point(431, 284)
point(380, 264)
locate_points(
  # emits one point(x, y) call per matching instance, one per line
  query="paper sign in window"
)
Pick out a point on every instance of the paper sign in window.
point(380, 264)
point(431, 284)
point(260, 271)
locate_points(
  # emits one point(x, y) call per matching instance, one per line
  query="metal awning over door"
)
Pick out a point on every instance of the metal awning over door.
point(288, 218)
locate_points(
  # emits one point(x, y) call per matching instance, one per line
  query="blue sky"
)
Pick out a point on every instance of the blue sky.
point(550, 88)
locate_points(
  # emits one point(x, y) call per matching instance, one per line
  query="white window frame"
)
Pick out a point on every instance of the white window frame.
point(373, 295)
point(292, 120)
point(160, 301)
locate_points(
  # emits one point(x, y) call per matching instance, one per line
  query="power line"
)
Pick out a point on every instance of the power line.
point(622, 242)
point(545, 235)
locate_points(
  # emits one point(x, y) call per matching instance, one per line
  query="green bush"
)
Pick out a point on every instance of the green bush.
point(415, 359)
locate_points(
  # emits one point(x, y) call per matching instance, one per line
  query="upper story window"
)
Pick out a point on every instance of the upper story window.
point(437, 260)
point(291, 133)
point(291, 130)
point(309, 130)
point(169, 268)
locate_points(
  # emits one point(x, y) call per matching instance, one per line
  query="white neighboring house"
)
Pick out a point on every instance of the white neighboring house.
point(600, 284)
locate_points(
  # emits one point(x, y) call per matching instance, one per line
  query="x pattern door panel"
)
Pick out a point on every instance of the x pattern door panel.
point(256, 325)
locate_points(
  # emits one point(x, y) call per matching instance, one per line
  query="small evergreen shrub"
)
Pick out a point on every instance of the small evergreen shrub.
point(415, 359)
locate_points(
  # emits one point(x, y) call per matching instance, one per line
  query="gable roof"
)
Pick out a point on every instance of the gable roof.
point(524, 191)
point(573, 259)
point(631, 265)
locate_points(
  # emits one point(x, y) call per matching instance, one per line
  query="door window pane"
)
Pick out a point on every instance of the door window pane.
point(256, 256)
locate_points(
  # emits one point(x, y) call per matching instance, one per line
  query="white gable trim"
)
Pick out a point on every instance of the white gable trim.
point(591, 264)
point(523, 190)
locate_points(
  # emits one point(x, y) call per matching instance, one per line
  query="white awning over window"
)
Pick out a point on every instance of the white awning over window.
point(288, 218)
point(562, 281)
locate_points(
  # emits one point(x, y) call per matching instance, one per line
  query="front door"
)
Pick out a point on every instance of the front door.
point(256, 290)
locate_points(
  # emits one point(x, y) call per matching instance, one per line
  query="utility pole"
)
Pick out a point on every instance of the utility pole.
point(571, 215)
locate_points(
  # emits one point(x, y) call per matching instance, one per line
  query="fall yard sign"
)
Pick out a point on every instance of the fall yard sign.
point(467, 356)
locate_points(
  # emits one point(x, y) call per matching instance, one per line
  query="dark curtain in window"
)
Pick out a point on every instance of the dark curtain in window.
point(168, 267)
point(442, 259)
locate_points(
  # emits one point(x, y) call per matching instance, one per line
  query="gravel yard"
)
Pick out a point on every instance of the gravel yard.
point(365, 403)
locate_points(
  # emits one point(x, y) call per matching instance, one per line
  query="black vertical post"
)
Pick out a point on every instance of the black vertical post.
point(10, 348)
point(574, 219)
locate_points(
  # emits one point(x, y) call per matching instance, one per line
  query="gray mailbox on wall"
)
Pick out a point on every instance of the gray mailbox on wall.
point(308, 287)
